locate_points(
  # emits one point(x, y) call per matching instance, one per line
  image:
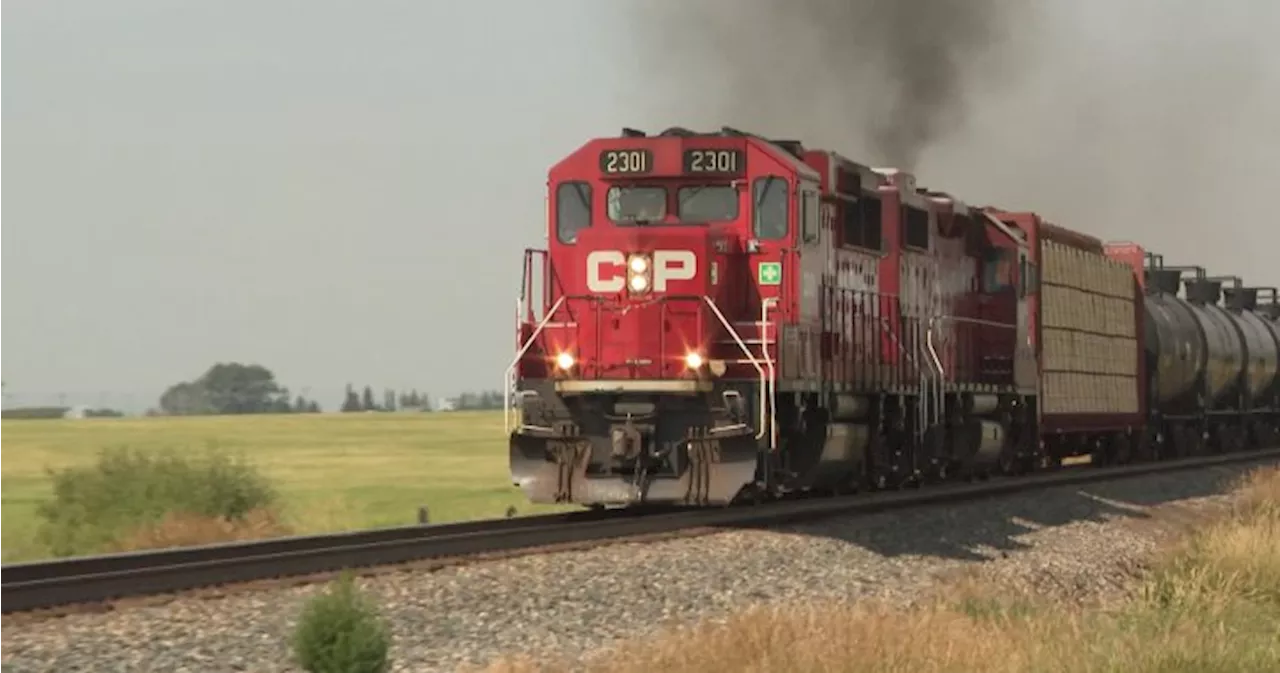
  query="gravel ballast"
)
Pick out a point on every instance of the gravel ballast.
point(1078, 541)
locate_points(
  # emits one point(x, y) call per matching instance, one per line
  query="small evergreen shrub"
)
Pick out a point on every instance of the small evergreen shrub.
point(340, 631)
point(96, 506)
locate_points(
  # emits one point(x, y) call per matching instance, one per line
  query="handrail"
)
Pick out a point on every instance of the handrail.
point(933, 320)
point(766, 397)
point(764, 417)
point(507, 380)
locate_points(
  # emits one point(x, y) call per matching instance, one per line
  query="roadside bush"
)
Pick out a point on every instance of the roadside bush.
point(95, 507)
point(340, 631)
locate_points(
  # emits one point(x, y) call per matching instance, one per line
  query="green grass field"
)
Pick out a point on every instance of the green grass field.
point(335, 471)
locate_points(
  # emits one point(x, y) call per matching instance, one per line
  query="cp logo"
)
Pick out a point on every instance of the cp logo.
point(607, 269)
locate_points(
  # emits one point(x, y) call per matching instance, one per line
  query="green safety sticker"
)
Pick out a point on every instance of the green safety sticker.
point(770, 273)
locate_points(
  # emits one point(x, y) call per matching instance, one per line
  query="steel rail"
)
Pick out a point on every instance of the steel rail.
point(47, 584)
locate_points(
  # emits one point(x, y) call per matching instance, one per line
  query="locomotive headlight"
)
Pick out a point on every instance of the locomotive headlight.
point(638, 273)
point(564, 361)
point(693, 360)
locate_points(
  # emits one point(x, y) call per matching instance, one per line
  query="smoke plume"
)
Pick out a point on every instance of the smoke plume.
point(1145, 120)
point(895, 71)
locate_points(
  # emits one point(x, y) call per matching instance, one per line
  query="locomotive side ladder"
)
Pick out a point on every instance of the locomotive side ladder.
point(525, 315)
point(930, 409)
point(762, 361)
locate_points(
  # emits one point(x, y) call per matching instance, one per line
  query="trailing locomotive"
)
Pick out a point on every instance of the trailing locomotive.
point(721, 317)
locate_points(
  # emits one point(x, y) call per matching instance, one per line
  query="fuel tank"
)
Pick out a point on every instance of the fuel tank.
point(1177, 345)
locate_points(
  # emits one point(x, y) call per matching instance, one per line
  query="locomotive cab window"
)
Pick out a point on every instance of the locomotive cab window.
point(707, 203)
point(809, 215)
point(1027, 281)
point(637, 205)
point(997, 270)
point(573, 210)
point(769, 217)
point(916, 228)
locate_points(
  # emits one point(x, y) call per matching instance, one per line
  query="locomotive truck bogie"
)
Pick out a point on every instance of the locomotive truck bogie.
point(628, 445)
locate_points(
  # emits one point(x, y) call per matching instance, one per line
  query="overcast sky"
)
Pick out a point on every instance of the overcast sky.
point(341, 190)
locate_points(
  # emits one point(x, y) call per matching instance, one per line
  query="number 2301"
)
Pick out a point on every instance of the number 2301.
point(712, 161)
point(625, 161)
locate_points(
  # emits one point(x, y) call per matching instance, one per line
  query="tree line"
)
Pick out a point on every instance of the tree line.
point(237, 388)
point(391, 401)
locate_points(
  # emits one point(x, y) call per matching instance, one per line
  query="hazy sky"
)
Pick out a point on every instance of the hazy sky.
point(341, 190)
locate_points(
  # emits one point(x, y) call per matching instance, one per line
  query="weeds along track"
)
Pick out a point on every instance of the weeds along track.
point(79, 583)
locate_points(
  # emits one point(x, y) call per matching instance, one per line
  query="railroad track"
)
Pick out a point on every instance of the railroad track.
point(85, 580)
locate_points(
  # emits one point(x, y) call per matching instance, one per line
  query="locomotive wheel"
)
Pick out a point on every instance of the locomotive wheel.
point(1176, 443)
point(1145, 449)
point(1195, 441)
point(1267, 436)
point(1230, 441)
point(1257, 435)
point(1101, 453)
point(1187, 442)
point(1226, 440)
point(1120, 450)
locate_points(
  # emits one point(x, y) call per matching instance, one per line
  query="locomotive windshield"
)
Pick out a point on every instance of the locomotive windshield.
point(710, 203)
point(637, 205)
point(648, 204)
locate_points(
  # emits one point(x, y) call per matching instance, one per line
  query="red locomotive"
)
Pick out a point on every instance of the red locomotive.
point(720, 316)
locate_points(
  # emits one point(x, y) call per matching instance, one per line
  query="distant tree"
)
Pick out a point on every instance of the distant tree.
point(352, 401)
point(187, 398)
point(313, 407)
point(227, 388)
point(235, 388)
point(367, 399)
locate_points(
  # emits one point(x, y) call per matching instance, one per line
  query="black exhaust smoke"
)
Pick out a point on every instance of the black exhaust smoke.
point(895, 72)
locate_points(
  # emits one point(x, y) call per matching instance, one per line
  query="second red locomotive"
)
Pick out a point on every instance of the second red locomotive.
point(720, 316)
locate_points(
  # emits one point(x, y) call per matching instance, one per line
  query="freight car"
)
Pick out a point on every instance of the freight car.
point(721, 317)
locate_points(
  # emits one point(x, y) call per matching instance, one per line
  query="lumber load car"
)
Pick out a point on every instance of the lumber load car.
point(721, 317)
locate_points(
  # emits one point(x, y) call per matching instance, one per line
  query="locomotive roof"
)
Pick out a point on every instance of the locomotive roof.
point(786, 151)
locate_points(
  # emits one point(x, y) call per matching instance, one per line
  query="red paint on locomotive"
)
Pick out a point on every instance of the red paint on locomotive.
point(719, 316)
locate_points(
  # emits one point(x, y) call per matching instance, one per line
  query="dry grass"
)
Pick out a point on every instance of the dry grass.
point(1209, 604)
point(180, 530)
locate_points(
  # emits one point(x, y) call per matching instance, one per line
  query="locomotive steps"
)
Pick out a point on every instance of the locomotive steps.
point(95, 582)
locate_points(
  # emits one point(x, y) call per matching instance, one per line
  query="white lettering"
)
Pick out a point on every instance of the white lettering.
point(607, 270)
point(685, 269)
point(596, 261)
